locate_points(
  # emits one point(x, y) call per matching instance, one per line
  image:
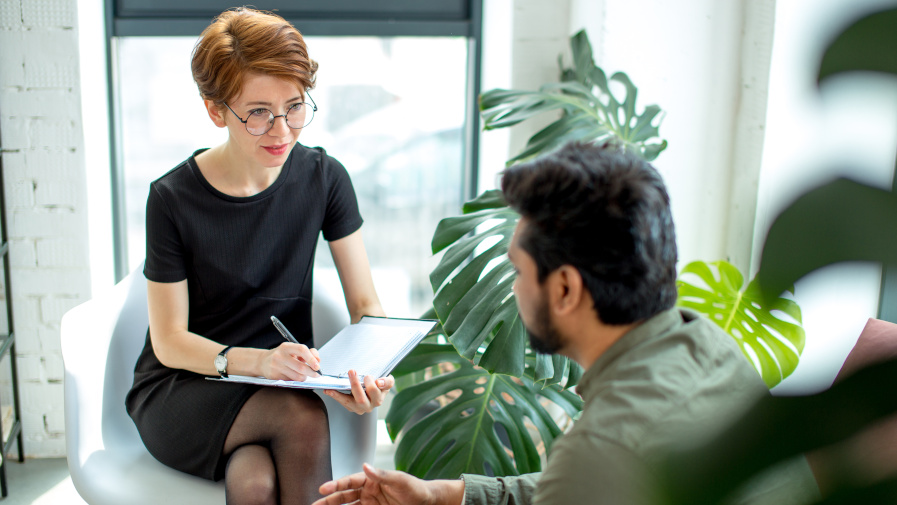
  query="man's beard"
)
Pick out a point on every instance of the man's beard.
point(543, 338)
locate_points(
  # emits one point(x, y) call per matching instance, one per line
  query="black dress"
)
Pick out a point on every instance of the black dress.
point(245, 259)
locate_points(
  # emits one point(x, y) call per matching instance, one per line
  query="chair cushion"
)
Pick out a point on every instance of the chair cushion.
point(872, 454)
point(136, 478)
point(877, 342)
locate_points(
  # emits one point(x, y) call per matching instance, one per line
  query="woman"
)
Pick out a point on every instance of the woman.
point(231, 235)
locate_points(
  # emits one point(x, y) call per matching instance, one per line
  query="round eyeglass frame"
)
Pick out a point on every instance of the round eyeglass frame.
point(272, 117)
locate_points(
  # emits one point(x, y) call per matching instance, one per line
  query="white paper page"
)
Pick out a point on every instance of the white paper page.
point(366, 348)
point(308, 383)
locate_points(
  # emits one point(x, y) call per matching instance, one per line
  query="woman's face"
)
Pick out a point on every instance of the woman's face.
point(263, 92)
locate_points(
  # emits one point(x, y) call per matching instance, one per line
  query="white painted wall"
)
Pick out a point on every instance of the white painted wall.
point(521, 43)
point(46, 206)
point(689, 58)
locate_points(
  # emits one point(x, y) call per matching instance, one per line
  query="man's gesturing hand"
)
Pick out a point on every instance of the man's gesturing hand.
point(386, 487)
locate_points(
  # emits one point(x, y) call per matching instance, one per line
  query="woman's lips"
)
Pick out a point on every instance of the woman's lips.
point(276, 150)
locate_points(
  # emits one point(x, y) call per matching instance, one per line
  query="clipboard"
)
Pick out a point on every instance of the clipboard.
point(372, 346)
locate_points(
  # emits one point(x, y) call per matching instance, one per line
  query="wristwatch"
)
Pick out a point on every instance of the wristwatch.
point(221, 362)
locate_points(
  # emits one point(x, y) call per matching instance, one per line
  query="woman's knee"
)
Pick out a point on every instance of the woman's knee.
point(253, 489)
point(250, 477)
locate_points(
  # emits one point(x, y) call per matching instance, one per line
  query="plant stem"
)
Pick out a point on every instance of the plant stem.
point(487, 394)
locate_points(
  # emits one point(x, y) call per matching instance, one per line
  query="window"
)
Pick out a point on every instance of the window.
point(394, 109)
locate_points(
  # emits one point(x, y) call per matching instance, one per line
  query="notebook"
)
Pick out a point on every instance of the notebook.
point(372, 346)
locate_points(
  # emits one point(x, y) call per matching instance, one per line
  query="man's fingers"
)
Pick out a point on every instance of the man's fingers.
point(340, 497)
point(345, 490)
point(354, 481)
point(371, 472)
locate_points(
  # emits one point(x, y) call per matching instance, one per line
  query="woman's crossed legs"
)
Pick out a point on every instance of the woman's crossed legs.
point(278, 449)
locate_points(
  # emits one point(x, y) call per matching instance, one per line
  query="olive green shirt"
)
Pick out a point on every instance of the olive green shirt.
point(673, 376)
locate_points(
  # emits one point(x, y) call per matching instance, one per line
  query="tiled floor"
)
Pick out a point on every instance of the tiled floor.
point(40, 482)
point(47, 481)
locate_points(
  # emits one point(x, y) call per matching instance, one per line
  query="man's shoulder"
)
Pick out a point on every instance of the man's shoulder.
point(689, 374)
point(699, 349)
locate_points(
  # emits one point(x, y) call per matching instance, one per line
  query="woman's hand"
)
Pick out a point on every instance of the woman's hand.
point(290, 361)
point(364, 397)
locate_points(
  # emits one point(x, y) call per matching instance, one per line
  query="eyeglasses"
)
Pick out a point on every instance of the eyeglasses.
point(260, 121)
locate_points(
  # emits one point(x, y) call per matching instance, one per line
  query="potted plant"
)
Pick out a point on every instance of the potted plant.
point(497, 406)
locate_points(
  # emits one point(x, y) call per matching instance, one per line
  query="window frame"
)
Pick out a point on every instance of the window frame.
point(887, 298)
point(384, 18)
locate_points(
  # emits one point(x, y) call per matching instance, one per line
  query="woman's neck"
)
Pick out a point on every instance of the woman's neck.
point(228, 173)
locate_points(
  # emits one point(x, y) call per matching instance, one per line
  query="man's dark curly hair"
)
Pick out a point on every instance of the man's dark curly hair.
point(604, 211)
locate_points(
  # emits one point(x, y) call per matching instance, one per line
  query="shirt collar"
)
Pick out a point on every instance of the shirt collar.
point(649, 329)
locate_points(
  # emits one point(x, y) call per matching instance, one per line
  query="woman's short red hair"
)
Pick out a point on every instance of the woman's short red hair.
point(242, 41)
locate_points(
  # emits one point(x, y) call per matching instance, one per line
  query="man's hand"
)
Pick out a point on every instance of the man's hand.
point(385, 487)
point(364, 397)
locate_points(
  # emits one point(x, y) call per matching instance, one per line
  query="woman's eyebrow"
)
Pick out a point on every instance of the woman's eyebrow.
point(269, 104)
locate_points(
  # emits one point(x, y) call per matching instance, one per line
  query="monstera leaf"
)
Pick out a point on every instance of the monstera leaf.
point(485, 423)
point(866, 45)
point(771, 343)
point(589, 109)
point(476, 305)
point(812, 233)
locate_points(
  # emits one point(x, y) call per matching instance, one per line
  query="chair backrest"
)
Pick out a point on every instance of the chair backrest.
point(328, 309)
point(101, 340)
point(125, 345)
point(98, 338)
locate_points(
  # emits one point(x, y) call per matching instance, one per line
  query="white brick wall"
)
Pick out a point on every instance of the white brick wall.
point(46, 205)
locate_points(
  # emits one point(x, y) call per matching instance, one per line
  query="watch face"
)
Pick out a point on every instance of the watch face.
point(220, 363)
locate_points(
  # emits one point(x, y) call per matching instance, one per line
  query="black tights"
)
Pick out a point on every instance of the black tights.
point(278, 449)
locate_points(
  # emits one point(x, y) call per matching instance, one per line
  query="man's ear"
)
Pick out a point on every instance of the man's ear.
point(216, 113)
point(565, 290)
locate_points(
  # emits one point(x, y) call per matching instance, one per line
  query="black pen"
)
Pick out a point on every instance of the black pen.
point(283, 330)
point(290, 338)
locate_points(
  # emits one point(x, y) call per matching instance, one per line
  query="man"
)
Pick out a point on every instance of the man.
point(595, 256)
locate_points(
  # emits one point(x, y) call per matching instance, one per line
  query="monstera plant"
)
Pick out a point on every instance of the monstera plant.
point(589, 109)
point(491, 405)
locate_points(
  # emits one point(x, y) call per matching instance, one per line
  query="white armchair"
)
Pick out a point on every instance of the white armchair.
point(109, 464)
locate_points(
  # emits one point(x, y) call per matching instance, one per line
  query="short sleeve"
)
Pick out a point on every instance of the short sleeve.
point(341, 216)
point(164, 248)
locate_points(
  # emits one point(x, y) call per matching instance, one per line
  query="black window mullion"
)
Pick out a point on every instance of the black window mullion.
point(191, 27)
point(887, 300)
